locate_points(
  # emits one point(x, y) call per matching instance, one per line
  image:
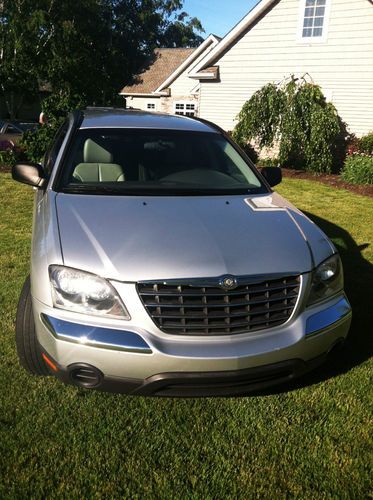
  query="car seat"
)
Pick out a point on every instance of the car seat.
point(97, 166)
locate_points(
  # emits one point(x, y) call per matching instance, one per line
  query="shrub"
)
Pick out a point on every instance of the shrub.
point(358, 169)
point(297, 117)
point(268, 162)
point(36, 142)
point(353, 145)
point(365, 144)
point(8, 158)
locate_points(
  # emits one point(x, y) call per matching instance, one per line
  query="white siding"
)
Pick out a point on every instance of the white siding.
point(183, 85)
point(271, 50)
point(142, 103)
point(162, 104)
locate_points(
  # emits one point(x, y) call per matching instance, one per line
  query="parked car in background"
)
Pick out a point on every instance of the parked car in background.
point(11, 133)
point(164, 264)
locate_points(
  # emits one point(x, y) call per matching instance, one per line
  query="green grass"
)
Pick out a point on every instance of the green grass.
point(310, 440)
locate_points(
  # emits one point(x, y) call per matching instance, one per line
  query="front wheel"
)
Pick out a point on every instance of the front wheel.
point(28, 347)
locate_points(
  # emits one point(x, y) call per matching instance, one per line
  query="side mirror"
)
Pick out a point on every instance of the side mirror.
point(29, 173)
point(273, 175)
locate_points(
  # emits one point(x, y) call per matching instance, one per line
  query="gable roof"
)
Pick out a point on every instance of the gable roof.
point(164, 67)
point(211, 40)
point(157, 69)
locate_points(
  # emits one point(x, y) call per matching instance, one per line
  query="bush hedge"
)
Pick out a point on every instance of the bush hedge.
point(365, 144)
point(56, 107)
point(268, 162)
point(7, 158)
point(36, 142)
point(358, 169)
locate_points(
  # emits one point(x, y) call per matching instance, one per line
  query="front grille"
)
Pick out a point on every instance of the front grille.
point(192, 309)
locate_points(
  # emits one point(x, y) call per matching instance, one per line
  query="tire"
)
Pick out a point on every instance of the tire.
point(28, 347)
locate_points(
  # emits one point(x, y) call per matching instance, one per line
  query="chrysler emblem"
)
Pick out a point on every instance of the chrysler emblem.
point(228, 283)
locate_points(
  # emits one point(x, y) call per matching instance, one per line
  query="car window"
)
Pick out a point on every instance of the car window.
point(52, 152)
point(157, 161)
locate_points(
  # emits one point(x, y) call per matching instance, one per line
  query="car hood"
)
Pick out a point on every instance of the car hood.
point(150, 238)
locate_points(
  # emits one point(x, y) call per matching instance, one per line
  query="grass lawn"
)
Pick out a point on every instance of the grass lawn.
point(309, 440)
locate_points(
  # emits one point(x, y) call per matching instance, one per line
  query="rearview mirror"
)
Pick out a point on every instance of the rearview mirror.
point(273, 175)
point(29, 173)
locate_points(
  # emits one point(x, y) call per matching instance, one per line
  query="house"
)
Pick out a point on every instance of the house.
point(330, 40)
point(163, 83)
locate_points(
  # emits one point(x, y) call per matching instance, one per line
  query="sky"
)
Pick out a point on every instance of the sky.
point(218, 16)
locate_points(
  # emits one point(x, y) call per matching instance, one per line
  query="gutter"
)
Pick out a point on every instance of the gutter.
point(151, 94)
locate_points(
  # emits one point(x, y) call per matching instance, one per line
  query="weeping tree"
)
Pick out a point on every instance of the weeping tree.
point(295, 117)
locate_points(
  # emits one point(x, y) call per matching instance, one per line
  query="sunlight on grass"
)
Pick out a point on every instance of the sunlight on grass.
point(311, 440)
point(353, 213)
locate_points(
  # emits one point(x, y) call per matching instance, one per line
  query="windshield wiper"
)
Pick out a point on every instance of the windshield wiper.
point(81, 189)
point(157, 190)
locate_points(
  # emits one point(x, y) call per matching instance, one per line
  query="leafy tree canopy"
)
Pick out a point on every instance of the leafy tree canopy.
point(88, 48)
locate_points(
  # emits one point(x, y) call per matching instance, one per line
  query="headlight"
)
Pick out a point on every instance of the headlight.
point(86, 293)
point(327, 279)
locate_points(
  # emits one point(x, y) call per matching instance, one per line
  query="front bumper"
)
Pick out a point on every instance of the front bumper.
point(142, 361)
point(192, 384)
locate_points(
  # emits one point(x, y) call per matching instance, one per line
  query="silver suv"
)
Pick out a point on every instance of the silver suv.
point(164, 264)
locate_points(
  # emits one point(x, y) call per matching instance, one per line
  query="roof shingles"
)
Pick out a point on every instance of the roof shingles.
point(163, 63)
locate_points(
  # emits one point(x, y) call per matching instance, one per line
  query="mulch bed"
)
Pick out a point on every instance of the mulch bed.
point(331, 180)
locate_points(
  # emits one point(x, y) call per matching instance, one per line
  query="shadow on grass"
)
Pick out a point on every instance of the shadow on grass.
point(358, 273)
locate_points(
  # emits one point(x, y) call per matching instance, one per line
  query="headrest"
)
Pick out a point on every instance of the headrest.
point(94, 153)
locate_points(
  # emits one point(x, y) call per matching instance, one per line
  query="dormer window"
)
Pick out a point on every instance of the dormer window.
point(314, 21)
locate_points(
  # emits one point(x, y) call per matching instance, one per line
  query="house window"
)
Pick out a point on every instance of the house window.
point(185, 108)
point(314, 19)
point(150, 105)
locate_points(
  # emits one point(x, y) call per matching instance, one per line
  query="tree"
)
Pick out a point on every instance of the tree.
point(87, 47)
point(295, 116)
point(21, 43)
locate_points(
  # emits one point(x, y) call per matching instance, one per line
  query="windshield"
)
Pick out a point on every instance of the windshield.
point(156, 162)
